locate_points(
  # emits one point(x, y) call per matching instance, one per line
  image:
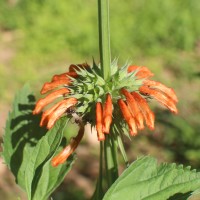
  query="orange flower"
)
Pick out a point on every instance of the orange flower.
point(49, 98)
point(128, 117)
point(99, 121)
point(60, 110)
point(160, 97)
point(52, 85)
point(64, 76)
point(107, 114)
point(147, 113)
point(168, 91)
point(143, 72)
point(50, 116)
point(134, 109)
point(45, 115)
point(69, 149)
point(81, 89)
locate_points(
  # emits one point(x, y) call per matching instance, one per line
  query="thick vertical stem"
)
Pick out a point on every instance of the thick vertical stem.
point(111, 164)
point(98, 194)
point(104, 37)
point(110, 157)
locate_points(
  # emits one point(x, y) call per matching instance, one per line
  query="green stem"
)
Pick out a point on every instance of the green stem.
point(110, 157)
point(111, 164)
point(98, 194)
point(101, 168)
point(104, 37)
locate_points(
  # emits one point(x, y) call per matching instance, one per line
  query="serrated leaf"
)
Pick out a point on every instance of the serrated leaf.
point(50, 178)
point(146, 180)
point(27, 148)
point(41, 154)
point(22, 132)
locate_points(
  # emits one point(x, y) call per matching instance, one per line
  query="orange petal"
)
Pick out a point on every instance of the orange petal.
point(62, 156)
point(68, 150)
point(134, 108)
point(48, 99)
point(128, 117)
point(143, 72)
point(58, 112)
point(52, 85)
point(160, 97)
point(107, 114)
point(168, 91)
point(64, 76)
point(45, 115)
point(99, 121)
point(147, 113)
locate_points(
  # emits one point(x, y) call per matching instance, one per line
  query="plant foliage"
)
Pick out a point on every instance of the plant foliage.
point(145, 179)
point(27, 149)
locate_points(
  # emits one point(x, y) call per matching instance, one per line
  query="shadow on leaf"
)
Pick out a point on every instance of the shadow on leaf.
point(25, 132)
point(180, 196)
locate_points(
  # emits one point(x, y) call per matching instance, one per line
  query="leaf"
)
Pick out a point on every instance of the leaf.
point(21, 134)
point(146, 180)
point(40, 155)
point(50, 178)
point(27, 148)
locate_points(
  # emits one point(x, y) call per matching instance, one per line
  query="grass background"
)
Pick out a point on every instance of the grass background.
point(39, 38)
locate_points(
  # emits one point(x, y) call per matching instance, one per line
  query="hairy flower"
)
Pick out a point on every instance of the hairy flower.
point(82, 93)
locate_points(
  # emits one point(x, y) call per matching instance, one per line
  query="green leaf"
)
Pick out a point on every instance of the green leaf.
point(50, 178)
point(40, 155)
point(147, 180)
point(22, 132)
point(27, 148)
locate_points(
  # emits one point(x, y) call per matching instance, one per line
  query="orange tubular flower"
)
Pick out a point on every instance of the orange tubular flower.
point(50, 116)
point(107, 114)
point(147, 113)
point(128, 117)
point(64, 76)
point(82, 87)
point(49, 98)
point(168, 91)
point(99, 121)
point(143, 72)
point(52, 85)
point(45, 115)
point(135, 110)
point(60, 110)
point(160, 97)
point(69, 149)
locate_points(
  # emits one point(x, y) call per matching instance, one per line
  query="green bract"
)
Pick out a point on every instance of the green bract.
point(90, 87)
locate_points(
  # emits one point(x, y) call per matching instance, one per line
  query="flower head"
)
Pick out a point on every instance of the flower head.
point(98, 101)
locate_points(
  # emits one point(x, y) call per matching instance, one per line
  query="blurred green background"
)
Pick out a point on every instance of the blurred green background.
point(39, 38)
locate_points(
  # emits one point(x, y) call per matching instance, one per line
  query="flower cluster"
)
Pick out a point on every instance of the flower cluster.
point(87, 95)
point(133, 104)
